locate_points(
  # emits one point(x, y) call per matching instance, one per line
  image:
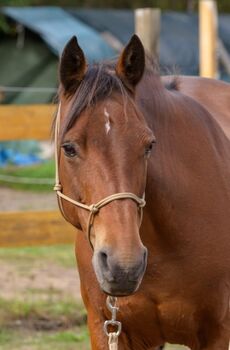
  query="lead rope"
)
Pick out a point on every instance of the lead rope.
point(111, 303)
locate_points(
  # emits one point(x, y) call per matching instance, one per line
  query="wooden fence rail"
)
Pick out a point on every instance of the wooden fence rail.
point(34, 228)
point(25, 122)
point(30, 228)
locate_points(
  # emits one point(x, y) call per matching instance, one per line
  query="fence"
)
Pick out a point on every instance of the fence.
point(37, 227)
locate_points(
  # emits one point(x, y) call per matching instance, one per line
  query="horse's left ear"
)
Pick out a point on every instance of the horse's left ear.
point(72, 66)
point(131, 63)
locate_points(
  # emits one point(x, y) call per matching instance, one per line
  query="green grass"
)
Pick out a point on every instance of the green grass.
point(75, 339)
point(62, 255)
point(40, 319)
point(69, 336)
point(43, 325)
point(67, 312)
point(5, 336)
point(39, 171)
point(24, 259)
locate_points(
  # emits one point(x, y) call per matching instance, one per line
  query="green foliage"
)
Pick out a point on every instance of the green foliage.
point(164, 4)
point(16, 2)
point(4, 26)
point(182, 5)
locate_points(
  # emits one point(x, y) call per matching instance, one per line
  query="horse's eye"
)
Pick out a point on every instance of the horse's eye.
point(69, 149)
point(148, 149)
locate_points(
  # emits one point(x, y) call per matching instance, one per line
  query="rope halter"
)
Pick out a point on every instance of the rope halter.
point(93, 208)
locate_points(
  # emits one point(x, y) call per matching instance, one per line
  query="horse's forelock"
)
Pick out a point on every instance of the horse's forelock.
point(99, 83)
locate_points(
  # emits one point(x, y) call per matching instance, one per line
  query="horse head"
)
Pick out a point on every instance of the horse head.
point(104, 147)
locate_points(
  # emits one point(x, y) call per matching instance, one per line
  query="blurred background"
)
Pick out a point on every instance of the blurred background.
point(40, 303)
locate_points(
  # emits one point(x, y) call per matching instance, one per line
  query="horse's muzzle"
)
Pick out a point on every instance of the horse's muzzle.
point(119, 278)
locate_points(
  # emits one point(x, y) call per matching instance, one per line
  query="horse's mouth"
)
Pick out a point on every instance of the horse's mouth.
point(121, 289)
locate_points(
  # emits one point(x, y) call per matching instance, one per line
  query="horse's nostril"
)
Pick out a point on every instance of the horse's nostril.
point(145, 255)
point(104, 260)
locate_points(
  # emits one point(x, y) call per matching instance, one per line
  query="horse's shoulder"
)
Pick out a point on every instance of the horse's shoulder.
point(214, 95)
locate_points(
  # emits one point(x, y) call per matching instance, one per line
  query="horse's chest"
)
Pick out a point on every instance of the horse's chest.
point(178, 323)
point(172, 321)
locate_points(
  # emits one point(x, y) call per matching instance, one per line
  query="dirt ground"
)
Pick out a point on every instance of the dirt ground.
point(17, 279)
point(36, 281)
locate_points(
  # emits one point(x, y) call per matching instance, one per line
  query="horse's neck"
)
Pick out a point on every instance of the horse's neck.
point(188, 184)
point(185, 131)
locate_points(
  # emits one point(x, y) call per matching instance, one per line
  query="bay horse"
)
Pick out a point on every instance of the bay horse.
point(126, 130)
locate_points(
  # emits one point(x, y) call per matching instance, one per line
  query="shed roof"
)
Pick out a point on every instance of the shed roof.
point(56, 26)
point(178, 37)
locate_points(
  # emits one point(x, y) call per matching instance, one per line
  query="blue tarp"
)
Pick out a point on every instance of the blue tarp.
point(19, 153)
point(9, 157)
point(56, 26)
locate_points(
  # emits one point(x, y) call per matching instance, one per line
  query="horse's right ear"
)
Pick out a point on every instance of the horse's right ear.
point(72, 66)
point(131, 63)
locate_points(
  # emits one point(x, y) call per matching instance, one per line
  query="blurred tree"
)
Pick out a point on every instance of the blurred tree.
point(4, 26)
point(182, 5)
point(16, 2)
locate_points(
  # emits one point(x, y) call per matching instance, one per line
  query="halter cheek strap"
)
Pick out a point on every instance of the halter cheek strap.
point(93, 208)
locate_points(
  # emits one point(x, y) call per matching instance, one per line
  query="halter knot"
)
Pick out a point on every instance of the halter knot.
point(57, 187)
point(142, 203)
point(93, 209)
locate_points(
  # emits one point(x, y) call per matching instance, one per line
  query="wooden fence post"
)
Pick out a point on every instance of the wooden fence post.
point(147, 27)
point(208, 38)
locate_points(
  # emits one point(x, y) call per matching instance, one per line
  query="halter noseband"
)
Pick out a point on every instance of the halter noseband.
point(93, 208)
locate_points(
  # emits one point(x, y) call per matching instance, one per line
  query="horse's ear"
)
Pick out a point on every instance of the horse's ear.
point(72, 66)
point(131, 63)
